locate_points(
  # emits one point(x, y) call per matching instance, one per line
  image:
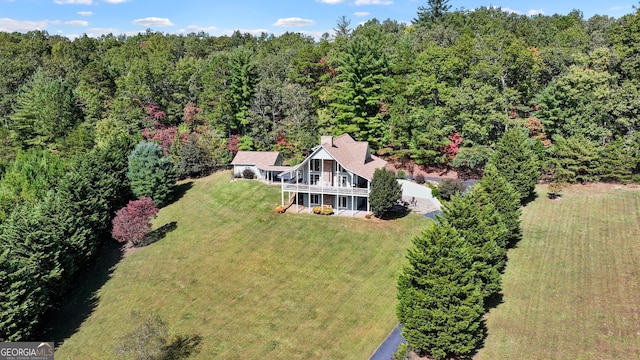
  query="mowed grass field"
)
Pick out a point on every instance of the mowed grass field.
point(255, 284)
point(572, 286)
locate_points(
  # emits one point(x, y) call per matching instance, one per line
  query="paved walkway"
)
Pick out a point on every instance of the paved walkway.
point(389, 346)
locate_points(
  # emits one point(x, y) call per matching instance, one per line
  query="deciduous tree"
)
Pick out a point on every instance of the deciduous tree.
point(133, 222)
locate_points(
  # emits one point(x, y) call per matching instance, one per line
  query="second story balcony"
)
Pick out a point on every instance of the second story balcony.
point(333, 190)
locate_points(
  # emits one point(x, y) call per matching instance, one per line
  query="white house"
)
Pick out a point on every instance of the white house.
point(266, 165)
point(337, 173)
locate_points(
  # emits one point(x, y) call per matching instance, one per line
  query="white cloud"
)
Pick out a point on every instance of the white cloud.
point(617, 8)
point(153, 21)
point(77, 23)
point(79, 2)
point(315, 34)
point(11, 25)
point(533, 12)
point(196, 29)
point(293, 22)
point(97, 31)
point(115, 1)
point(374, 2)
point(508, 10)
point(85, 13)
point(361, 13)
point(332, 2)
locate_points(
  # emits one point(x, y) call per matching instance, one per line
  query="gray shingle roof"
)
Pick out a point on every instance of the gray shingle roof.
point(261, 159)
point(354, 155)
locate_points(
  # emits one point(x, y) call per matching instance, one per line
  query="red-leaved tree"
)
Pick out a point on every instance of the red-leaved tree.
point(133, 222)
point(452, 149)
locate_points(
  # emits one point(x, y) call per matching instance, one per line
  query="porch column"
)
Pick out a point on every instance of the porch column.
point(297, 192)
point(282, 190)
point(353, 205)
point(322, 179)
point(368, 191)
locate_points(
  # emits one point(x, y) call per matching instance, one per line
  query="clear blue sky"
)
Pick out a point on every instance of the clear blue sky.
point(313, 17)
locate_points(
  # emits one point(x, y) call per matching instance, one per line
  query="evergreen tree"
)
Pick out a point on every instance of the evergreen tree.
point(575, 159)
point(22, 300)
point(241, 87)
point(496, 190)
point(481, 226)
point(440, 301)
point(434, 12)
point(356, 97)
point(385, 192)
point(616, 162)
point(150, 173)
point(28, 179)
point(516, 161)
point(195, 159)
point(34, 269)
point(45, 112)
point(342, 28)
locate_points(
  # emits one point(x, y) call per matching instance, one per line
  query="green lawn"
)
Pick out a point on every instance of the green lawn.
point(255, 284)
point(572, 287)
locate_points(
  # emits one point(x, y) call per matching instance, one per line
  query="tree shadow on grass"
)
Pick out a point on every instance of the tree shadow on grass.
point(158, 234)
point(529, 199)
point(66, 316)
point(398, 211)
point(485, 333)
point(493, 302)
point(179, 191)
point(181, 347)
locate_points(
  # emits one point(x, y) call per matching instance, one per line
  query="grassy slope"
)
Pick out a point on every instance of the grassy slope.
point(571, 288)
point(255, 284)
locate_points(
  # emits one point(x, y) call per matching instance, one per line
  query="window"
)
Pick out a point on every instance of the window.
point(342, 181)
point(315, 179)
point(315, 164)
point(342, 202)
point(341, 169)
point(315, 199)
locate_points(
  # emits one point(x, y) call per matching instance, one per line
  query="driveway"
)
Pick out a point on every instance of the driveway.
point(426, 203)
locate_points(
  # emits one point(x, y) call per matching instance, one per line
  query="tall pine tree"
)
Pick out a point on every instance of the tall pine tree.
point(482, 227)
point(45, 112)
point(516, 161)
point(495, 189)
point(433, 13)
point(440, 301)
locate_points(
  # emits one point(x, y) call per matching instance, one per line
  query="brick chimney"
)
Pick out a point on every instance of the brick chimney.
point(326, 140)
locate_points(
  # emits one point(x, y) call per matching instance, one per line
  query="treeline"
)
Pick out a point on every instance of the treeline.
point(441, 91)
point(460, 77)
point(62, 213)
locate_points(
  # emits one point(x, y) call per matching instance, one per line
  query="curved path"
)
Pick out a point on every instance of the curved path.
point(389, 346)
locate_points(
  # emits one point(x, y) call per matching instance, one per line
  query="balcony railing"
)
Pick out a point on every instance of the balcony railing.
point(334, 190)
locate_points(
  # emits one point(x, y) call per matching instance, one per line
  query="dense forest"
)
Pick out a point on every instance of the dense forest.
point(438, 92)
